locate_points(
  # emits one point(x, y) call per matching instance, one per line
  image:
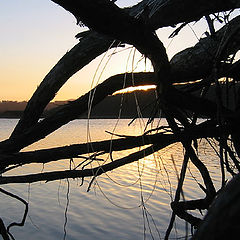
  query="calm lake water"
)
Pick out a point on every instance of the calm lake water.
point(112, 209)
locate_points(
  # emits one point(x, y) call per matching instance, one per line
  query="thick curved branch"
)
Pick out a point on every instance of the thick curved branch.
point(89, 47)
point(197, 62)
point(178, 64)
point(117, 23)
point(72, 110)
point(105, 17)
point(163, 13)
point(49, 88)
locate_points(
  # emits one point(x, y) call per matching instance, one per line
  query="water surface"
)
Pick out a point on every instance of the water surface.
point(128, 203)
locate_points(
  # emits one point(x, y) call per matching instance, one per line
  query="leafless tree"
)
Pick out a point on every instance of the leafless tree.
point(211, 62)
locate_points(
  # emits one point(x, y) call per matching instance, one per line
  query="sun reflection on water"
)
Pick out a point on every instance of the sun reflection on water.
point(117, 195)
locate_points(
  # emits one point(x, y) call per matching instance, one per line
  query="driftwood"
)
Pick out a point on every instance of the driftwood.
point(204, 130)
point(89, 46)
point(209, 60)
point(29, 129)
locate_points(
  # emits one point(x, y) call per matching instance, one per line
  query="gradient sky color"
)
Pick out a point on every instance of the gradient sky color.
point(35, 34)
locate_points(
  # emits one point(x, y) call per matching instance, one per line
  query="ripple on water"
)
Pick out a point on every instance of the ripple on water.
point(111, 209)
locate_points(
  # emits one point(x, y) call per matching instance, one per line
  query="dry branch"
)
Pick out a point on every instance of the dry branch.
point(90, 46)
point(56, 175)
point(203, 130)
point(71, 111)
point(136, 26)
point(197, 62)
point(163, 13)
point(79, 106)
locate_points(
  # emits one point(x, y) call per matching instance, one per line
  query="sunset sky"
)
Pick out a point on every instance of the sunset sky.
point(35, 34)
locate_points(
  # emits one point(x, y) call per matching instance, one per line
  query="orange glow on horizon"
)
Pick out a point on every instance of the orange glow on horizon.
point(137, 88)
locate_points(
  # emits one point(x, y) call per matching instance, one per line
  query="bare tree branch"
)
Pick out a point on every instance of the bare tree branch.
point(56, 175)
point(165, 13)
point(203, 130)
point(89, 47)
point(197, 62)
point(71, 111)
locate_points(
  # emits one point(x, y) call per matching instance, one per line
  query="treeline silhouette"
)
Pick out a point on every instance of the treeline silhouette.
point(128, 105)
point(14, 109)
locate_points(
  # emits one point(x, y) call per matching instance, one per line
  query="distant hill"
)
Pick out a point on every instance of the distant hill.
point(129, 105)
point(108, 108)
point(20, 106)
point(138, 103)
point(143, 103)
point(14, 109)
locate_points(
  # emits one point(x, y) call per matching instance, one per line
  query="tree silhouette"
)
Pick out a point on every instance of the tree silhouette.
point(212, 62)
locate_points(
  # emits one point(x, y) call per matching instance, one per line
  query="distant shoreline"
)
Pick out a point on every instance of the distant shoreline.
point(100, 117)
point(110, 107)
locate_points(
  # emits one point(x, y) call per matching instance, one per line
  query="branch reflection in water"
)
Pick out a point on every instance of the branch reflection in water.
point(123, 204)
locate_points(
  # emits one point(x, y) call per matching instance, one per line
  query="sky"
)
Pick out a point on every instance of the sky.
point(35, 34)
